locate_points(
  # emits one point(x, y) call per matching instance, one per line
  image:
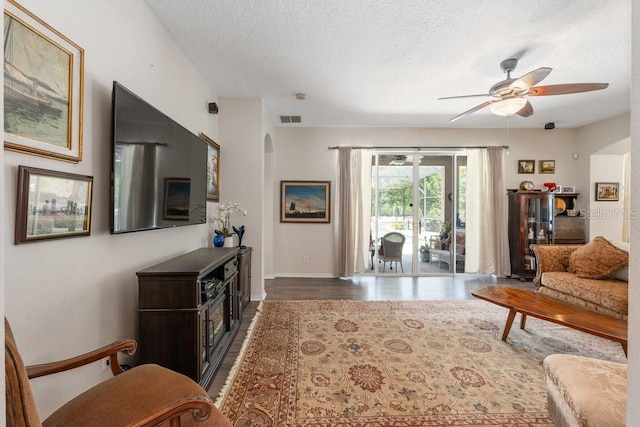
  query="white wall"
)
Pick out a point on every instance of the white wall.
point(606, 217)
point(633, 386)
point(241, 181)
point(68, 296)
point(302, 154)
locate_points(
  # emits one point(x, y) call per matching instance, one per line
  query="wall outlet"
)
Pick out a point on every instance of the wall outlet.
point(105, 364)
point(305, 258)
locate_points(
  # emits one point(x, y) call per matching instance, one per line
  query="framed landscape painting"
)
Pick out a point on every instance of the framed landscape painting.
point(547, 166)
point(305, 201)
point(43, 88)
point(52, 204)
point(213, 169)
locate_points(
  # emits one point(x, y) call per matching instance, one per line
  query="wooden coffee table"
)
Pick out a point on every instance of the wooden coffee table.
point(530, 303)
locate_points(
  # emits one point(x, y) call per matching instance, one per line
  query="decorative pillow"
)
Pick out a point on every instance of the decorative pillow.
point(598, 259)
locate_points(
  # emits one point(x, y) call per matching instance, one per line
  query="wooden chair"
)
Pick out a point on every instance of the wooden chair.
point(146, 395)
point(392, 244)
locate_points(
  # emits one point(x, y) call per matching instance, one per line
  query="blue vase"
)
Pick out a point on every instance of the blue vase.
point(240, 232)
point(218, 240)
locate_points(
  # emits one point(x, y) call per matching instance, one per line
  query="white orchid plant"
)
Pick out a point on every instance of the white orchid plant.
point(222, 220)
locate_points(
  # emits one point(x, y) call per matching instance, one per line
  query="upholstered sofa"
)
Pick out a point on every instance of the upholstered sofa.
point(593, 276)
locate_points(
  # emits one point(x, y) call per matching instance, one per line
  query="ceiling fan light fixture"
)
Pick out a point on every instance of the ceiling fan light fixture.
point(508, 106)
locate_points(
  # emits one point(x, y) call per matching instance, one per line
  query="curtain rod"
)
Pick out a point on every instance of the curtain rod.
point(335, 147)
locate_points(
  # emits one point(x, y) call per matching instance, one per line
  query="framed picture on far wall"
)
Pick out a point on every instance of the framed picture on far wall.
point(547, 166)
point(526, 166)
point(43, 88)
point(213, 168)
point(607, 191)
point(52, 205)
point(305, 201)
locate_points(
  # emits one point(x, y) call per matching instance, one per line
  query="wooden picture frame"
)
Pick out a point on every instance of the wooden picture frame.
point(547, 166)
point(213, 168)
point(305, 201)
point(44, 85)
point(568, 189)
point(177, 194)
point(607, 191)
point(52, 205)
point(526, 166)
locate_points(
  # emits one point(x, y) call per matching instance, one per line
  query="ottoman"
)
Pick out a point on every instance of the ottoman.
point(583, 391)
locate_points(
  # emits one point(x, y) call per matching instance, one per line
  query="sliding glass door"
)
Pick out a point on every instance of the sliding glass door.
point(418, 205)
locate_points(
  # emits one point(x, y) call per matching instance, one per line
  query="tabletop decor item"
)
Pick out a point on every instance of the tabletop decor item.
point(240, 232)
point(218, 240)
point(223, 222)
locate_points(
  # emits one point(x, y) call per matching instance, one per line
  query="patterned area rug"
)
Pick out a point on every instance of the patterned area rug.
point(396, 363)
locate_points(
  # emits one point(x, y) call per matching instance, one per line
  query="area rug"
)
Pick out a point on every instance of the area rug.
point(396, 363)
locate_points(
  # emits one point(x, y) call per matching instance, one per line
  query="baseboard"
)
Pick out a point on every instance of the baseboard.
point(307, 275)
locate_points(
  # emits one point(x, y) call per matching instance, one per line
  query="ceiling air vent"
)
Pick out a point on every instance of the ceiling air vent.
point(290, 119)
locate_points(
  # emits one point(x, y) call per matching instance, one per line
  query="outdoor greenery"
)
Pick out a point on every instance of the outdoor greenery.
point(395, 199)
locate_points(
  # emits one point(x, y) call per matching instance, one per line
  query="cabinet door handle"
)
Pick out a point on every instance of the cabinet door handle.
point(212, 332)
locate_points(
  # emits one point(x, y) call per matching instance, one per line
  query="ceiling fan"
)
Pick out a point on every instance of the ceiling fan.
point(401, 159)
point(509, 96)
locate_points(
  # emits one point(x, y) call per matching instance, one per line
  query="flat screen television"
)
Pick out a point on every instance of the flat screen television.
point(158, 168)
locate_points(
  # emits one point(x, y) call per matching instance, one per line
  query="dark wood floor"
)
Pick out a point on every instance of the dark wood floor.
point(366, 288)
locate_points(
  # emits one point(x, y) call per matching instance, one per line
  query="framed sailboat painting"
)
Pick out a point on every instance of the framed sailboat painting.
point(43, 87)
point(305, 201)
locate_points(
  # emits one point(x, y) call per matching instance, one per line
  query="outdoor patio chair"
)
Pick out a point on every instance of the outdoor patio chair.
point(392, 244)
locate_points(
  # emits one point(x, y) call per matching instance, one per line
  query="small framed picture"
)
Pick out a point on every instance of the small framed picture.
point(568, 189)
point(607, 191)
point(52, 205)
point(213, 168)
point(547, 166)
point(305, 201)
point(526, 166)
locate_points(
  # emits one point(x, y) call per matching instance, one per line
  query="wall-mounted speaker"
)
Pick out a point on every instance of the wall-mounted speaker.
point(213, 108)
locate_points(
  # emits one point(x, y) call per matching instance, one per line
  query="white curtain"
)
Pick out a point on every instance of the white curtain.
point(354, 211)
point(487, 242)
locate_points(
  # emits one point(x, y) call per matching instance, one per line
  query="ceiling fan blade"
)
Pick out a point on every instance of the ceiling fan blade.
point(473, 110)
point(464, 96)
point(526, 111)
point(565, 89)
point(530, 79)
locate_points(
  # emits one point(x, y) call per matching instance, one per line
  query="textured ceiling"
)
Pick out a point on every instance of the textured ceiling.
point(385, 62)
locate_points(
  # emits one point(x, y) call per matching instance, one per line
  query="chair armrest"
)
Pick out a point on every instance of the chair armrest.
point(127, 346)
point(551, 258)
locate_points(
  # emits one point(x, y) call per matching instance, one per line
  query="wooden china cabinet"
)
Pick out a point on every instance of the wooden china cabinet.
point(537, 217)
